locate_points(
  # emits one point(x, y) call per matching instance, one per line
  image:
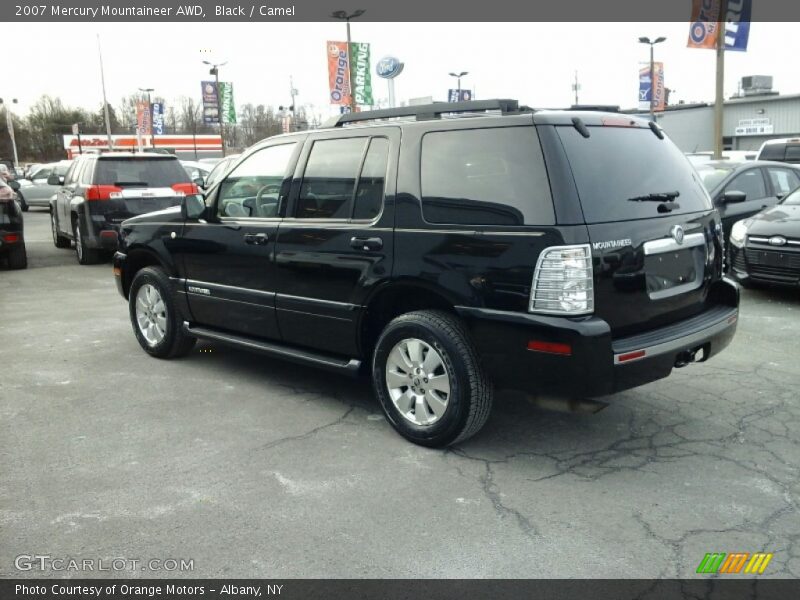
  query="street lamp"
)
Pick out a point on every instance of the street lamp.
point(148, 91)
point(343, 16)
point(646, 40)
point(10, 123)
point(215, 72)
point(458, 76)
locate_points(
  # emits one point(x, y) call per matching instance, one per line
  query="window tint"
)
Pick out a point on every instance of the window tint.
point(330, 178)
point(750, 182)
point(139, 172)
point(783, 180)
point(793, 153)
point(253, 188)
point(772, 152)
point(615, 164)
point(369, 194)
point(485, 177)
point(218, 171)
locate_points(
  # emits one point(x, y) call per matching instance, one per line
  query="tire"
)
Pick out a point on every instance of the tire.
point(173, 342)
point(18, 257)
point(59, 240)
point(467, 403)
point(85, 255)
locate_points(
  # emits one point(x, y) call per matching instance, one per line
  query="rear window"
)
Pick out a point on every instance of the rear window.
point(773, 152)
point(793, 153)
point(616, 164)
point(492, 176)
point(140, 172)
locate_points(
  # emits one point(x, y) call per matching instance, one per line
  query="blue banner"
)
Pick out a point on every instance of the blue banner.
point(737, 25)
point(455, 95)
point(158, 118)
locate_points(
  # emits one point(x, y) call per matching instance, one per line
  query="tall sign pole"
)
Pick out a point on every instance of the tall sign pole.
point(719, 100)
point(105, 101)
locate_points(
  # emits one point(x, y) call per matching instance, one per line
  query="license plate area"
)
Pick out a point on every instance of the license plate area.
point(672, 268)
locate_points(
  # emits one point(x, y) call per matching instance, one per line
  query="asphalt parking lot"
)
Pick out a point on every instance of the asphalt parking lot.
point(254, 467)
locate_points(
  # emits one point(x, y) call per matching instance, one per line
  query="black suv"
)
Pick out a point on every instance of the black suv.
point(99, 191)
point(445, 249)
point(12, 239)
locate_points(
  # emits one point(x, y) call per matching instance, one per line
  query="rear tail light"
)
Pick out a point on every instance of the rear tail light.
point(186, 188)
point(11, 238)
point(562, 281)
point(102, 192)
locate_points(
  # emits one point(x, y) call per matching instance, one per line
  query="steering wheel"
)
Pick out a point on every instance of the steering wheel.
point(272, 188)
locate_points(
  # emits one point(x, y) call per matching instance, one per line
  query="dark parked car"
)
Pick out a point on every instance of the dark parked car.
point(569, 253)
point(782, 150)
point(12, 239)
point(741, 189)
point(765, 249)
point(99, 191)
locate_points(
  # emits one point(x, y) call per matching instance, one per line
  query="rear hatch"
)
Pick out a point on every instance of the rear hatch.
point(653, 230)
point(134, 185)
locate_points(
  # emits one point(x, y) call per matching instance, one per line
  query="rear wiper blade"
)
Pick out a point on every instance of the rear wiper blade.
point(136, 183)
point(656, 197)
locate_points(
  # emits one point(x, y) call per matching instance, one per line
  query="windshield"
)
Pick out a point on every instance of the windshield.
point(626, 173)
point(140, 172)
point(793, 199)
point(713, 176)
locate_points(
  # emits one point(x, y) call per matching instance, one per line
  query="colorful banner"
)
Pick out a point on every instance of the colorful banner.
point(456, 95)
point(143, 122)
point(361, 75)
point(158, 118)
point(210, 102)
point(227, 106)
point(338, 73)
point(705, 29)
point(646, 89)
point(339, 77)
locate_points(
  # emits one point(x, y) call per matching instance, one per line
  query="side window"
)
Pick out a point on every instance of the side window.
point(783, 180)
point(751, 183)
point(793, 153)
point(490, 176)
point(70, 176)
point(86, 174)
point(253, 188)
point(330, 179)
point(42, 173)
point(370, 190)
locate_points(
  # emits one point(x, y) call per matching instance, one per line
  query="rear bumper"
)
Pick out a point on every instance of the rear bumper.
point(596, 365)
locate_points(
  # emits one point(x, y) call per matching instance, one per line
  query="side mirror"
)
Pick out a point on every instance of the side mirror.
point(733, 197)
point(193, 207)
point(199, 181)
point(54, 179)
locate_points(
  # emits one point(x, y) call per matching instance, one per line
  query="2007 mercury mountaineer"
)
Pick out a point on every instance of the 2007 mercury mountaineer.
point(446, 249)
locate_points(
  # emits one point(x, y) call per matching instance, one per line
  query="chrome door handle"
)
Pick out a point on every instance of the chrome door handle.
point(256, 239)
point(360, 243)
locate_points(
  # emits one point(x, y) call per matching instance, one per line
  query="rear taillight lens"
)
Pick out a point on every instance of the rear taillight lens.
point(562, 281)
point(102, 192)
point(11, 238)
point(186, 188)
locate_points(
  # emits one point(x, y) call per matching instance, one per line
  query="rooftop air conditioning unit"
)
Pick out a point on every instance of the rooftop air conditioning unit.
point(757, 84)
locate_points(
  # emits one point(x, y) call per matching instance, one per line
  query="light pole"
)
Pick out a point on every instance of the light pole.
point(658, 40)
point(215, 72)
point(10, 123)
point(458, 77)
point(148, 91)
point(342, 15)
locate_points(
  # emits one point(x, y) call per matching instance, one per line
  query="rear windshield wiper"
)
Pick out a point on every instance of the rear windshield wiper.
point(656, 197)
point(130, 183)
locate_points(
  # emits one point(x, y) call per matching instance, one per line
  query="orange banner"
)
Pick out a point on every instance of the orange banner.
point(339, 73)
point(705, 29)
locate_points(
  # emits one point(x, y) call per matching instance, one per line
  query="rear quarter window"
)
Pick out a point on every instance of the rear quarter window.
point(493, 176)
point(144, 172)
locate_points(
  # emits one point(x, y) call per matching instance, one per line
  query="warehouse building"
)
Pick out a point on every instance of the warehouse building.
point(755, 115)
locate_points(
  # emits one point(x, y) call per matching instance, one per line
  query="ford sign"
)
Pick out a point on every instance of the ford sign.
point(389, 67)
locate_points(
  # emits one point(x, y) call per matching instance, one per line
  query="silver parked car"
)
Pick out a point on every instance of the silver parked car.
point(35, 191)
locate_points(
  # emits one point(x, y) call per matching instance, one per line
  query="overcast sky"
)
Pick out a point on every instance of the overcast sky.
point(532, 62)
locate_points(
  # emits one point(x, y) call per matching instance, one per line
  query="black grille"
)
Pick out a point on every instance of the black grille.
point(737, 261)
point(773, 263)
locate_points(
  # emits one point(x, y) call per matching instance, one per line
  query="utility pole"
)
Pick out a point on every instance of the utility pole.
point(105, 101)
point(10, 124)
point(646, 40)
point(720, 95)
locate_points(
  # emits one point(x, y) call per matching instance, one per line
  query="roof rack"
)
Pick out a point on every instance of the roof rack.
point(595, 107)
point(425, 112)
